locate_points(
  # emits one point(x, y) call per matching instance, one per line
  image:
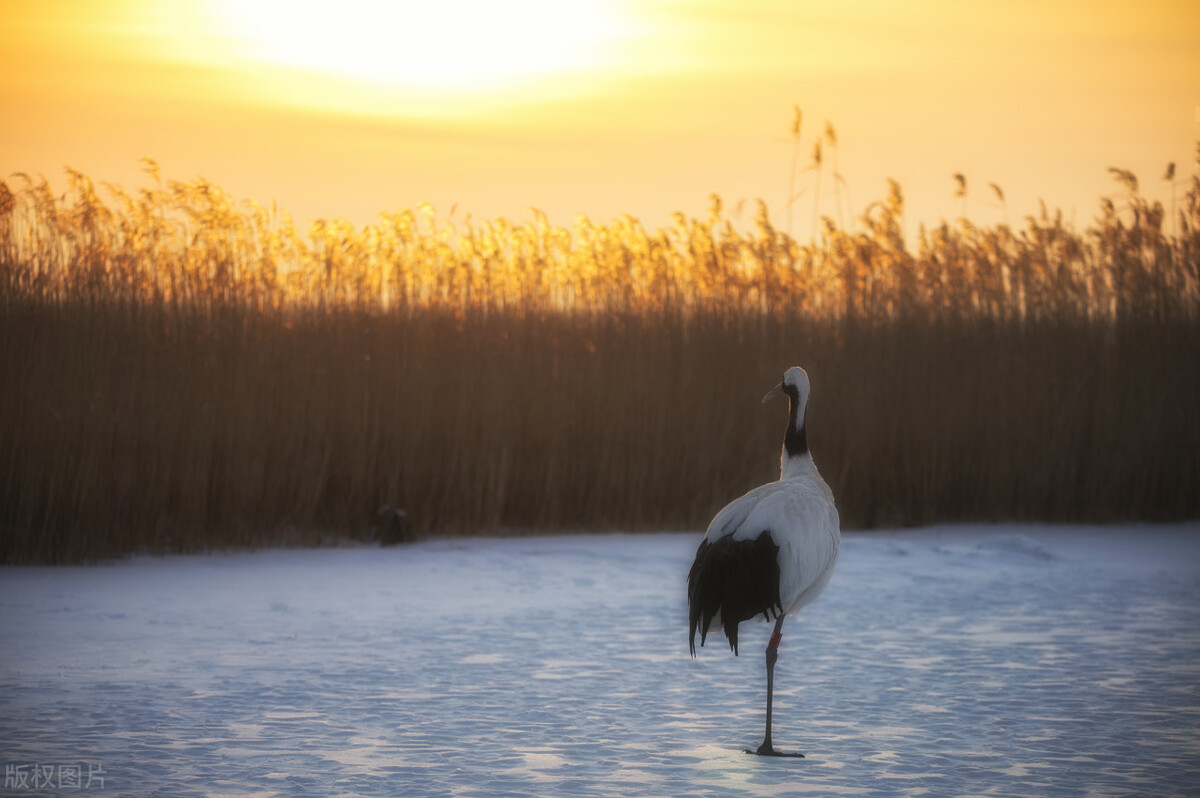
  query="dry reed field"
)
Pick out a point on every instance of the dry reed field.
point(181, 372)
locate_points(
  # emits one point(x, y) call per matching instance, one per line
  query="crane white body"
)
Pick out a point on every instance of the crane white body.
point(769, 552)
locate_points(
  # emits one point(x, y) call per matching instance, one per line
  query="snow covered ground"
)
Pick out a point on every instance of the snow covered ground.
point(954, 660)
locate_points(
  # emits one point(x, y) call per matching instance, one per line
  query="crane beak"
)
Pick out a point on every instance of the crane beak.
point(771, 394)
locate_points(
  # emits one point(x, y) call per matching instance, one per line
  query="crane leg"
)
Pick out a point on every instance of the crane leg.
point(766, 749)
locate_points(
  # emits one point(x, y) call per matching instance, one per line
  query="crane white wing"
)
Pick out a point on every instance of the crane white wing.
point(802, 520)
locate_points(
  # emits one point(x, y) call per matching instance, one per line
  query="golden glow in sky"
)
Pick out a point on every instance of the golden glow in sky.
point(450, 59)
point(432, 46)
point(607, 107)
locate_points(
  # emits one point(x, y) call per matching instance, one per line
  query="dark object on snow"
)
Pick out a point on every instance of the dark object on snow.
point(391, 526)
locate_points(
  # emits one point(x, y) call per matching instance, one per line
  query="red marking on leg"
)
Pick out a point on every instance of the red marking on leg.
point(775, 639)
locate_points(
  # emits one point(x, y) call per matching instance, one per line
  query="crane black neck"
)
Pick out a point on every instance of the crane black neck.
point(795, 440)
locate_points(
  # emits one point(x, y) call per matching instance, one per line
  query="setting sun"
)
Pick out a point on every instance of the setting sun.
point(429, 49)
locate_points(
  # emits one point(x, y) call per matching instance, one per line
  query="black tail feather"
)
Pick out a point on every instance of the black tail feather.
point(739, 579)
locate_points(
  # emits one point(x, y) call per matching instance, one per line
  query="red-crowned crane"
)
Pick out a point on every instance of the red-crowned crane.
point(770, 552)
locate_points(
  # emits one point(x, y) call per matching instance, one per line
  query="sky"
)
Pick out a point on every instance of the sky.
point(607, 107)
